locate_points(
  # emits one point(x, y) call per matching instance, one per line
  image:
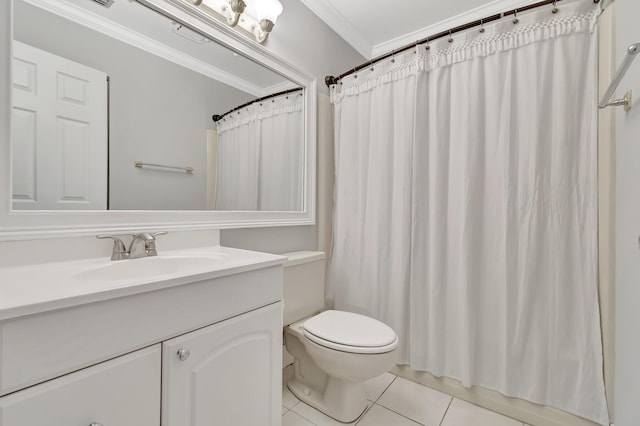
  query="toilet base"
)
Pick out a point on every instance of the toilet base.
point(341, 400)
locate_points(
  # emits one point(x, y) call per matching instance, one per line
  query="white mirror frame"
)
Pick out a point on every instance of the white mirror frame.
point(17, 225)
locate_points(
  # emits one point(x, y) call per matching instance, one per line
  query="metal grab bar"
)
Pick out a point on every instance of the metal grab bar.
point(140, 164)
point(632, 51)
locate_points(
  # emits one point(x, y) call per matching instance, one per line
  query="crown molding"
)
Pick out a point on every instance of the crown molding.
point(325, 10)
point(280, 87)
point(492, 8)
point(102, 25)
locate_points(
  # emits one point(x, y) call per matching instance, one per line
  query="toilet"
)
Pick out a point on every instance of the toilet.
point(334, 351)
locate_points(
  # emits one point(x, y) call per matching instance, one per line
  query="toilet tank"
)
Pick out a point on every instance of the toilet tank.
point(303, 284)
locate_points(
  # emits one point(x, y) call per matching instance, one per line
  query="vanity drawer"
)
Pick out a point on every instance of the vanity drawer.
point(124, 391)
point(43, 346)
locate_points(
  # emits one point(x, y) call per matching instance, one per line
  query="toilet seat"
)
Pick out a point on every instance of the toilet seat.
point(349, 332)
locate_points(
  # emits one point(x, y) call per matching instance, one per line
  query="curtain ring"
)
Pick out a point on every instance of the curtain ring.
point(450, 38)
point(515, 14)
point(482, 25)
point(370, 64)
point(427, 47)
point(355, 75)
point(393, 56)
point(555, 9)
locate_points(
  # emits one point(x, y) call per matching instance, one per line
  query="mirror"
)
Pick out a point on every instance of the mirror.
point(112, 109)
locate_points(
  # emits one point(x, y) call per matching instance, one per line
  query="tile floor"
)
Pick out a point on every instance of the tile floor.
point(395, 401)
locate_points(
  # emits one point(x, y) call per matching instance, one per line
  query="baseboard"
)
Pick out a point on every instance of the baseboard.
point(525, 411)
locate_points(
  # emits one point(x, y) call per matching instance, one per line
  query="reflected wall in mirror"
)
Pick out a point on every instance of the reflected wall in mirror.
point(96, 89)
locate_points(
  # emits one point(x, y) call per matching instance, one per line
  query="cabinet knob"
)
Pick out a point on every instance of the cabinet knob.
point(183, 354)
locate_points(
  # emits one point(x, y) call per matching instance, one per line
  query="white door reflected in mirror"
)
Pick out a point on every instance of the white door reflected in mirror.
point(59, 122)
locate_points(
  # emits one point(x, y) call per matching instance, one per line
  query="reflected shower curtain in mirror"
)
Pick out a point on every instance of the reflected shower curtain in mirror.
point(260, 156)
point(237, 167)
point(465, 207)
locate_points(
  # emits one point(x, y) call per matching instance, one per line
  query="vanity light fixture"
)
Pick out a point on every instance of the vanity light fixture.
point(267, 12)
point(256, 17)
point(189, 34)
point(105, 3)
point(232, 11)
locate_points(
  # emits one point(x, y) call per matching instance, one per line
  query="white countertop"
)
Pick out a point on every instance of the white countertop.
point(31, 289)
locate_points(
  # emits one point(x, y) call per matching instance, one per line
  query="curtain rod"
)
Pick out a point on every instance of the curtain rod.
point(330, 80)
point(217, 117)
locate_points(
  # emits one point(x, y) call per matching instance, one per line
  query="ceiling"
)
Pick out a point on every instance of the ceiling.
point(374, 27)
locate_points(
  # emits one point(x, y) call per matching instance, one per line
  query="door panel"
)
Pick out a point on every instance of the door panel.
point(60, 132)
point(24, 155)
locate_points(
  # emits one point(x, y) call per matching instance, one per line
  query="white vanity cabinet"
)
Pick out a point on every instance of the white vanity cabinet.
point(113, 360)
point(124, 392)
point(223, 374)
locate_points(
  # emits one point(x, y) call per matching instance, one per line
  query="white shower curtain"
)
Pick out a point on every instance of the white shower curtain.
point(259, 158)
point(281, 157)
point(237, 167)
point(465, 207)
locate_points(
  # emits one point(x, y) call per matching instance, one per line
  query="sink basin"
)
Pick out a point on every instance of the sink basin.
point(152, 267)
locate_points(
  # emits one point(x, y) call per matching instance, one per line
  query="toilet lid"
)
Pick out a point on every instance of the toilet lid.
point(350, 332)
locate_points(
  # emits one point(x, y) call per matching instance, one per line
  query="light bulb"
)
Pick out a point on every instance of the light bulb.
point(267, 10)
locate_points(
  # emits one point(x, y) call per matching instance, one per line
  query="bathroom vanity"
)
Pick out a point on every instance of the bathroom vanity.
point(189, 337)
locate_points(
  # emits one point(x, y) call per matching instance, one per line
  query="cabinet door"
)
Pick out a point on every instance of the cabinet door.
point(122, 392)
point(230, 376)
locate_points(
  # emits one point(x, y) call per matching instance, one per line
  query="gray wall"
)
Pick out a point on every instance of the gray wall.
point(304, 40)
point(159, 111)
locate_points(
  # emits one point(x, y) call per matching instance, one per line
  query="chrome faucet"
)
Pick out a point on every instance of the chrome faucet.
point(143, 244)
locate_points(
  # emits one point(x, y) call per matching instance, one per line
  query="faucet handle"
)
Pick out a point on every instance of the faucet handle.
point(119, 249)
point(150, 245)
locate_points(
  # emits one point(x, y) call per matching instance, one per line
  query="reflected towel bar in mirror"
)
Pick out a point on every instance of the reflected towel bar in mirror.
point(140, 164)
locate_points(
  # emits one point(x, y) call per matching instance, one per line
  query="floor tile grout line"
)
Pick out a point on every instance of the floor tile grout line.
point(295, 397)
point(364, 413)
point(354, 423)
point(376, 400)
point(386, 388)
point(302, 417)
point(387, 408)
point(400, 414)
point(446, 411)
